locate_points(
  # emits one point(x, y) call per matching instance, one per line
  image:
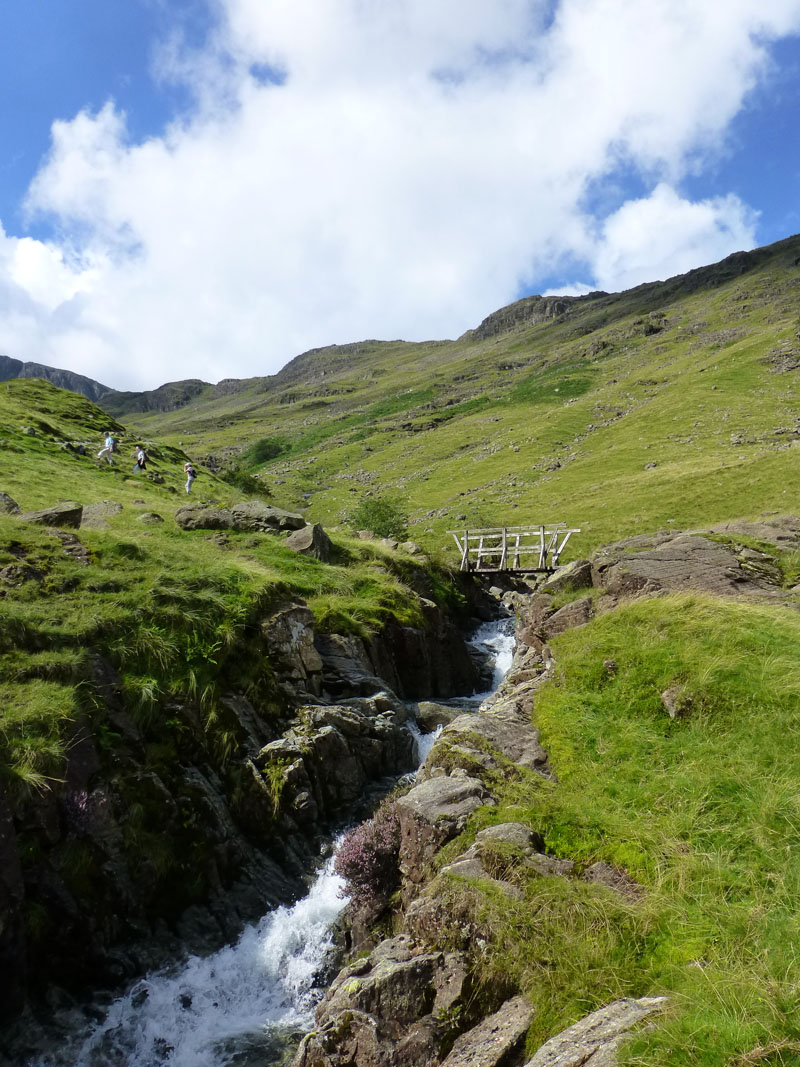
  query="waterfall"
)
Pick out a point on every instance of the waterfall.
point(245, 1005)
point(215, 1010)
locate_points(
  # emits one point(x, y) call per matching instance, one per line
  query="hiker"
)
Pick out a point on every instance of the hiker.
point(141, 460)
point(110, 446)
point(191, 474)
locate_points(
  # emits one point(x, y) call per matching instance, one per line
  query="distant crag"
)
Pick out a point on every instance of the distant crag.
point(64, 379)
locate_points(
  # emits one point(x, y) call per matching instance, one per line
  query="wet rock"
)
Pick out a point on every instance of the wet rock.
point(388, 1010)
point(58, 515)
point(8, 506)
point(311, 541)
point(495, 1040)
point(431, 715)
point(595, 1039)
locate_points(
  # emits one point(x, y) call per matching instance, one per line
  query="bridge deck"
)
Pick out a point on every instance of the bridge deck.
point(519, 549)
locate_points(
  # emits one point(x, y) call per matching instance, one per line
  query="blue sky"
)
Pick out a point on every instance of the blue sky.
point(205, 188)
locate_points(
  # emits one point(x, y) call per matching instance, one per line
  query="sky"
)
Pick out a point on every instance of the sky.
point(207, 188)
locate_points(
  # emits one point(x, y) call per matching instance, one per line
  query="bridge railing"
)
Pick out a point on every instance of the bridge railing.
point(524, 549)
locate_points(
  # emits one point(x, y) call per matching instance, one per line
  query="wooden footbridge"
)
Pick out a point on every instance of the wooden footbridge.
point(521, 549)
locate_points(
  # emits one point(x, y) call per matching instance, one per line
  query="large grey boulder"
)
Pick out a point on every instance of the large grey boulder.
point(253, 515)
point(593, 1042)
point(203, 517)
point(311, 541)
point(495, 1040)
point(59, 515)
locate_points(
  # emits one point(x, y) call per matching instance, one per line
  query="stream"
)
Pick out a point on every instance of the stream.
point(247, 1004)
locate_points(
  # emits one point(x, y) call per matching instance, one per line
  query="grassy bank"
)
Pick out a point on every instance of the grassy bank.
point(703, 811)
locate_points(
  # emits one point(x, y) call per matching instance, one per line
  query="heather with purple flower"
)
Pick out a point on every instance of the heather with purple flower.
point(368, 857)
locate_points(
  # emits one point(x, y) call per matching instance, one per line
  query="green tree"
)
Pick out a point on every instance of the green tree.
point(382, 515)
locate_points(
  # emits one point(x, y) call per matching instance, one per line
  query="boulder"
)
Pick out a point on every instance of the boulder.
point(431, 715)
point(8, 506)
point(572, 576)
point(595, 1039)
point(203, 517)
point(387, 1010)
point(96, 516)
point(430, 814)
point(311, 541)
point(253, 515)
point(150, 518)
point(494, 1041)
point(289, 638)
point(58, 515)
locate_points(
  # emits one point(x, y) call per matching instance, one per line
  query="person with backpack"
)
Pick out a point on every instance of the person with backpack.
point(110, 445)
point(141, 460)
point(191, 474)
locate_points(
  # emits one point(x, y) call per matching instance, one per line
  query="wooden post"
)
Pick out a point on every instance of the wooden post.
point(504, 555)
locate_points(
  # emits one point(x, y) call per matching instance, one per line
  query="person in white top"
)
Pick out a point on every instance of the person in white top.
point(109, 448)
point(191, 474)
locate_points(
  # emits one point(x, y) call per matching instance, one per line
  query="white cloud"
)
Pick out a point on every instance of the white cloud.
point(419, 162)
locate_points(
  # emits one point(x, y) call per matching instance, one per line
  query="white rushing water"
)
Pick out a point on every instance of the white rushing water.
point(497, 638)
point(216, 1008)
point(236, 1007)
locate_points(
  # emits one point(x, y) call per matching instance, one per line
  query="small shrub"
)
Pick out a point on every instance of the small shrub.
point(383, 516)
point(368, 857)
point(264, 450)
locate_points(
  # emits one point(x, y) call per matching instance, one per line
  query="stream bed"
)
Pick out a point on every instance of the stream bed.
point(247, 1004)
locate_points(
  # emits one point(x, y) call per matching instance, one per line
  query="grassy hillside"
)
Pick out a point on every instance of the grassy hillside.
point(673, 403)
point(173, 611)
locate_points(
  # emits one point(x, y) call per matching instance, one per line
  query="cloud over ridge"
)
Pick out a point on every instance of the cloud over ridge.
point(354, 169)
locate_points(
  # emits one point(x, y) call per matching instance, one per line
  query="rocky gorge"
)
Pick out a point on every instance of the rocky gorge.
point(135, 858)
point(414, 989)
point(417, 996)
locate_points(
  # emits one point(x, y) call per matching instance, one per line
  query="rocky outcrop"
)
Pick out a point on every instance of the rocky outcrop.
point(495, 1040)
point(685, 561)
point(249, 515)
point(388, 1010)
point(253, 515)
point(57, 515)
point(320, 766)
point(593, 1042)
point(428, 661)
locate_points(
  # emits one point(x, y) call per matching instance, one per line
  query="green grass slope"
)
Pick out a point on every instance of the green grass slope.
point(175, 612)
point(673, 403)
